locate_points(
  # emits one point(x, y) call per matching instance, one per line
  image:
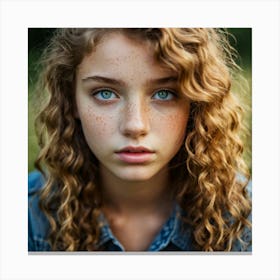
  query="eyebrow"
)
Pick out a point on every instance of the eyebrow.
point(103, 80)
point(163, 80)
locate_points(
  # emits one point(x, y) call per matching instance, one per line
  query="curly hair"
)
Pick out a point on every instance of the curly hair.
point(206, 170)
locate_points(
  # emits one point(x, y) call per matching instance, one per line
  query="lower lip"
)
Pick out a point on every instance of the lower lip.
point(135, 157)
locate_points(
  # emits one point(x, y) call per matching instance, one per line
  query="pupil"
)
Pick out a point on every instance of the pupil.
point(106, 94)
point(163, 94)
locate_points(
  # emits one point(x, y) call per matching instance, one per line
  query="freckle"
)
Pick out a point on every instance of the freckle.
point(129, 108)
point(172, 121)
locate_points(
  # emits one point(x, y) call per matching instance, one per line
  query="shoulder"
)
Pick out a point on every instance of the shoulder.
point(249, 189)
point(38, 225)
point(245, 242)
point(36, 181)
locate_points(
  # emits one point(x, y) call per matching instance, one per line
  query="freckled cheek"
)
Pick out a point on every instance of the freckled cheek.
point(96, 126)
point(173, 126)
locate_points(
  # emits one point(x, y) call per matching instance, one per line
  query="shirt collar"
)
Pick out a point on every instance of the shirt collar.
point(106, 233)
point(173, 231)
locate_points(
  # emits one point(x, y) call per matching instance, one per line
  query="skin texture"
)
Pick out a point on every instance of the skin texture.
point(134, 117)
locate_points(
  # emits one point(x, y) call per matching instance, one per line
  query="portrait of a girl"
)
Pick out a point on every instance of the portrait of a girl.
point(140, 146)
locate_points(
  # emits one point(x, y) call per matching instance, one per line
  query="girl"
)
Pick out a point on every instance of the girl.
point(139, 144)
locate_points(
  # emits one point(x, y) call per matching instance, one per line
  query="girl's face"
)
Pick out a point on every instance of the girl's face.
point(132, 114)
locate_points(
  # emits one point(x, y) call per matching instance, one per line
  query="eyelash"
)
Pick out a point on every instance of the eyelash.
point(97, 92)
point(170, 92)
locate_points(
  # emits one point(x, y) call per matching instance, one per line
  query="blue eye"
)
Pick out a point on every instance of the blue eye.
point(105, 94)
point(164, 94)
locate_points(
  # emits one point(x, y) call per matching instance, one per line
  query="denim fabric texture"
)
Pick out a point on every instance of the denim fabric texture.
point(173, 236)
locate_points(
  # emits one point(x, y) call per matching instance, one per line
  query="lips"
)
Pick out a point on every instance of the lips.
point(132, 149)
point(136, 155)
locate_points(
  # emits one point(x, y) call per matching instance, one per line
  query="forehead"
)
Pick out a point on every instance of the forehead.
point(117, 52)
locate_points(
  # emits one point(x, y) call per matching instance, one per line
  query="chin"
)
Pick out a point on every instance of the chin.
point(134, 177)
point(135, 174)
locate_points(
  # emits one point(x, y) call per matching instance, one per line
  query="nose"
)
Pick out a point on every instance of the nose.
point(135, 119)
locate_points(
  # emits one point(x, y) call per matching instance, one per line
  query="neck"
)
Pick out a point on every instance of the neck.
point(129, 197)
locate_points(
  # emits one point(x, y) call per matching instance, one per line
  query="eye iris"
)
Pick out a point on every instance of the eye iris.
point(163, 94)
point(106, 94)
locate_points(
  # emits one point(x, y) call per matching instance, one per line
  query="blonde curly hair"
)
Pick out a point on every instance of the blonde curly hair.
point(206, 170)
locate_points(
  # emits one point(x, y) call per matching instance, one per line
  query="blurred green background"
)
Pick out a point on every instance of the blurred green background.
point(241, 41)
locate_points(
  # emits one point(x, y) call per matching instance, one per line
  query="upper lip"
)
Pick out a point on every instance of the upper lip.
point(135, 149)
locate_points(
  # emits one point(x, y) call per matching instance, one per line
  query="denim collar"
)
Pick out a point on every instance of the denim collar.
point(174, 232)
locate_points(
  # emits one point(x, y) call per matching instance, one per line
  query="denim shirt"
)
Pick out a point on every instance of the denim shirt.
point(174, 235)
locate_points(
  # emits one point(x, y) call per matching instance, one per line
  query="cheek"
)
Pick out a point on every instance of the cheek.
point(96, 126)
point(173, 126)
